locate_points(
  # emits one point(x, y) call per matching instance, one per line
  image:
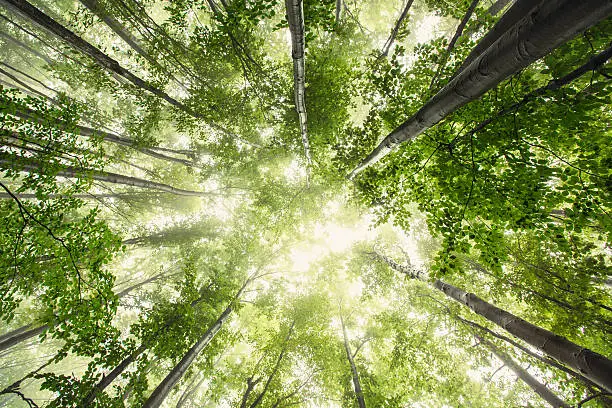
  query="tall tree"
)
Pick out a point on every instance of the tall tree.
point(295, 17)
point(549, 25)
point(592, 365)
point(527, 378)
point(354, 373)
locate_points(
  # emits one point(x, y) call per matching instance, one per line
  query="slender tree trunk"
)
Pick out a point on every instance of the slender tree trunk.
point(88, 132)
point(295, 17)
point(110, 377)
point(453, 41)
point(355, 375)
point(543, 359)
point(28, 165)
point(26, 47)
point(32, 196)
point(190, 390)
point(15, 332)
point(153, 278)
point(95, 7)
point(21, 334)
point(395, 31)
point(117, 371)
point(46, 22)
point(161, 392)
point(163, 389)
point(537, 387)
point(338, 11)
point(279, 359)
point(27, 88)
point(602, 323)
point(547, 26)
point(26, 332)
point(593, 366)
point(31, 78)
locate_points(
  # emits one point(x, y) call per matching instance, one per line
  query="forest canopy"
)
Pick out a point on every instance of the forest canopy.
point(310, 203)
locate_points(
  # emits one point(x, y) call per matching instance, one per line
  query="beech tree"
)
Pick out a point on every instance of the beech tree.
point(178, 228)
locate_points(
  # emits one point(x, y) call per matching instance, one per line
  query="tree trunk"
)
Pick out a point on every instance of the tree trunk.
point(29, 165)
point(395, 31)
point(453, 41)
point(88, 132)
point(601, 322)
point(26, 47)
point(543, 359)
point(593, 366)
point(355, 375)
point(338, 11)
point(117, 28)
point(46, 22)
point(279, 359)
point(537, 387)
point(125, 35)
point(554, 84)
point(153, 278)
point(547, 26)
point(497, 7)
point(513, 15)
point(108, 379)
point(161, 392)
point(190, 390)
point(31, 78)
point(163, 389)
point(295, 17)
point(32, 196)
point(25, 88)
point(21, 334)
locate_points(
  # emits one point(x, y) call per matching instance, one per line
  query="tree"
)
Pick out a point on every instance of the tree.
point(592, 365)
point(501, 61)
point(535, 385)
point(296, 26)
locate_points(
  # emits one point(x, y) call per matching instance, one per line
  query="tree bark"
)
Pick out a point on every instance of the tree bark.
point(591, 365)
point(108, 379)
point(537, 387)
point(497, 7)
point(395, 31)
point(117, 28)
point(126, 36)
point(31, 78)
point(513, 15)
point(161, 392)
point(163, 389)
point(295, 17)
point(552, 85)
point(338, 11)
point(354, 373)
point(547, 26)
point(23, 333)
point(29, 165)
